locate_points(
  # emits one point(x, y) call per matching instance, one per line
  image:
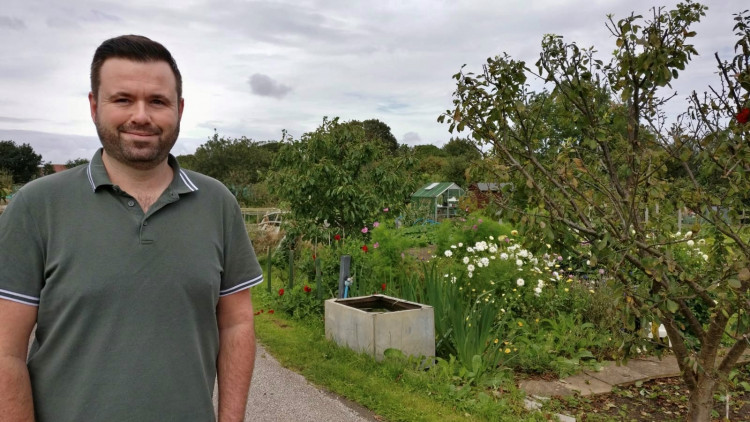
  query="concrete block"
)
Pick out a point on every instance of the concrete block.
point(372, 324)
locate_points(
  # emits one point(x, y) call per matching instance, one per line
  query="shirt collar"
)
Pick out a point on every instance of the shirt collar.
point(98, 177)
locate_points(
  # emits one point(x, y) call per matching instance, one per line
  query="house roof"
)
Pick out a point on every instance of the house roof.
point(434, 189)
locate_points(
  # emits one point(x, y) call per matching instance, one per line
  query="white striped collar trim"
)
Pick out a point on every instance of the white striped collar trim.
point(91, 179)
point(187, 181)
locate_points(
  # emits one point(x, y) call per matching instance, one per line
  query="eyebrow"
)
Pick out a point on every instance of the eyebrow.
point(128, 95)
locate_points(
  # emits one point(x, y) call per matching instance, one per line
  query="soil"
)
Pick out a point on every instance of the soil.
point(663, 399)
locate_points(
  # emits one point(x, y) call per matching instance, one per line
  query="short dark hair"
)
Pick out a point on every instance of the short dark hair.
point(131, 47)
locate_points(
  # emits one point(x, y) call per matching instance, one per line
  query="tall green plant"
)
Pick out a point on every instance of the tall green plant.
point(604, 183)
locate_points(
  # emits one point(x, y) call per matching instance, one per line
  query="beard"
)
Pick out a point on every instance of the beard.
point(141, 155)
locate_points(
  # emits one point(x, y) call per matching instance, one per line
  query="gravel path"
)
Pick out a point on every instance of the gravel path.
point(278, 394)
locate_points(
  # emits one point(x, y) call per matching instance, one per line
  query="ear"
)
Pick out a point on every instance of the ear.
point(180, 108)
point(92, 106)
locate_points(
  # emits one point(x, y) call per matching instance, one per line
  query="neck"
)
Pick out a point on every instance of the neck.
point(145, 185)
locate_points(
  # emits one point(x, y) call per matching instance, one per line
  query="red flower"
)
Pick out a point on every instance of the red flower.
point(364, 248)
point(270, 311)
point(382, 287)
point(337, 237)
point(257, 313)
point(744, 115)
point(313, 257)
point(307, 289)
point(281, 292)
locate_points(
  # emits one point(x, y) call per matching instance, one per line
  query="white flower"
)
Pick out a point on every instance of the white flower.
point(688, 234)
point(453, 246)
point(480, 246)
point(705, 257)
point(448, 253)
point(492, 238)
point(465, 260)
point(485, 261)
point(588, 262)
point(453, 280)
point(460, 245)
point(678, 234)
point(540, 283)
point(502, 310)
point(520, 282)
point(480, 264)
point(701, 241)
point(471, 274)
point(446, 276)
point(523, 253)
point(690, 242)
point(470, 267)
point(492, 256)
point(519, 262)
point(493, 249)
point(504, 256)
point(470, 249)
point(537, 291)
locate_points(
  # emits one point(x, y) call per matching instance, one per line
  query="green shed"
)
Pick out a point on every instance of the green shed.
point(438, 199)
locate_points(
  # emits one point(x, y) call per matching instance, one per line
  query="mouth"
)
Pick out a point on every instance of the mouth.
point(140, 135)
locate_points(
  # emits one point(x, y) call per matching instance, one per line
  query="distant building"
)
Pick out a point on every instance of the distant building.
point(484, 193)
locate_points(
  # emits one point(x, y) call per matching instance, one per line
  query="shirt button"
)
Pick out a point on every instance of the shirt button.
point(131, 203)
point(145, 223)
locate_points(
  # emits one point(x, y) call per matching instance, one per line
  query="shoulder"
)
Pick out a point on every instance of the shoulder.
point(58, 184)
point(204, 183)
point(208, 188)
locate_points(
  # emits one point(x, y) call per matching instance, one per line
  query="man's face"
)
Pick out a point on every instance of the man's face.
point(137, 112)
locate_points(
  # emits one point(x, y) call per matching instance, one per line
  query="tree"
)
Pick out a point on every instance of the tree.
point(20, 160)
point(618, 161)
point(337, 175)
point(240, 163)
point(377, 131)
point(75, 163)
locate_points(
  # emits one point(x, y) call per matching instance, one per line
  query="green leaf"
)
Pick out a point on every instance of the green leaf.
point(672, 306)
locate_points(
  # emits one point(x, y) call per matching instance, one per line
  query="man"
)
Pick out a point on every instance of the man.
point(135, 272)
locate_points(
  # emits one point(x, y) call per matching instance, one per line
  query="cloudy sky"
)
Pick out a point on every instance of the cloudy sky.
point(253, 68)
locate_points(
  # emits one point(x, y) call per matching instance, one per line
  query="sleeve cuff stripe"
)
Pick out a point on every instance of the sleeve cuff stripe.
point(242, 286)
point(19, 298)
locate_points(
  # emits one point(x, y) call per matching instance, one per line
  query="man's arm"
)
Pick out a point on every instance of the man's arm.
point(236, 354)
point(16, 404)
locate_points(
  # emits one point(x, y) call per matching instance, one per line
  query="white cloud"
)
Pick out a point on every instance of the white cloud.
point(390, 60)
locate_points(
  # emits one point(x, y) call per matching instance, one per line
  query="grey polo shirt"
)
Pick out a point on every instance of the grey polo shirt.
point(126, 326)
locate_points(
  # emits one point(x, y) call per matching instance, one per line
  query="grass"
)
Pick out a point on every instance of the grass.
point(395, 389)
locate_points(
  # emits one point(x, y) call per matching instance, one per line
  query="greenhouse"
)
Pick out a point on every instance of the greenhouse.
point(438, 199)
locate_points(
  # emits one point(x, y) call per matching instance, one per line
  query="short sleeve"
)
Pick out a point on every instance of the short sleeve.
point(21, 254)
point(241, 267)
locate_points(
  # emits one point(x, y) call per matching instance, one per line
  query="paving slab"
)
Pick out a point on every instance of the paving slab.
point(616, 375)
point(654, 368)
point(543, 388)
point(586, 385)
point(668, 366)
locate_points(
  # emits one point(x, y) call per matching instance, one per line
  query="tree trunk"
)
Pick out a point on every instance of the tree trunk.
point(702, 399)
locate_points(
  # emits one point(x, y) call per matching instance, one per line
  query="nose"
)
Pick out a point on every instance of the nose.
point(140, 113)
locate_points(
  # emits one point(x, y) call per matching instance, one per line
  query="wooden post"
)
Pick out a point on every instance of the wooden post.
point(346, 262)
point(318, 288)
point(269, 264)
point(291, 268)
